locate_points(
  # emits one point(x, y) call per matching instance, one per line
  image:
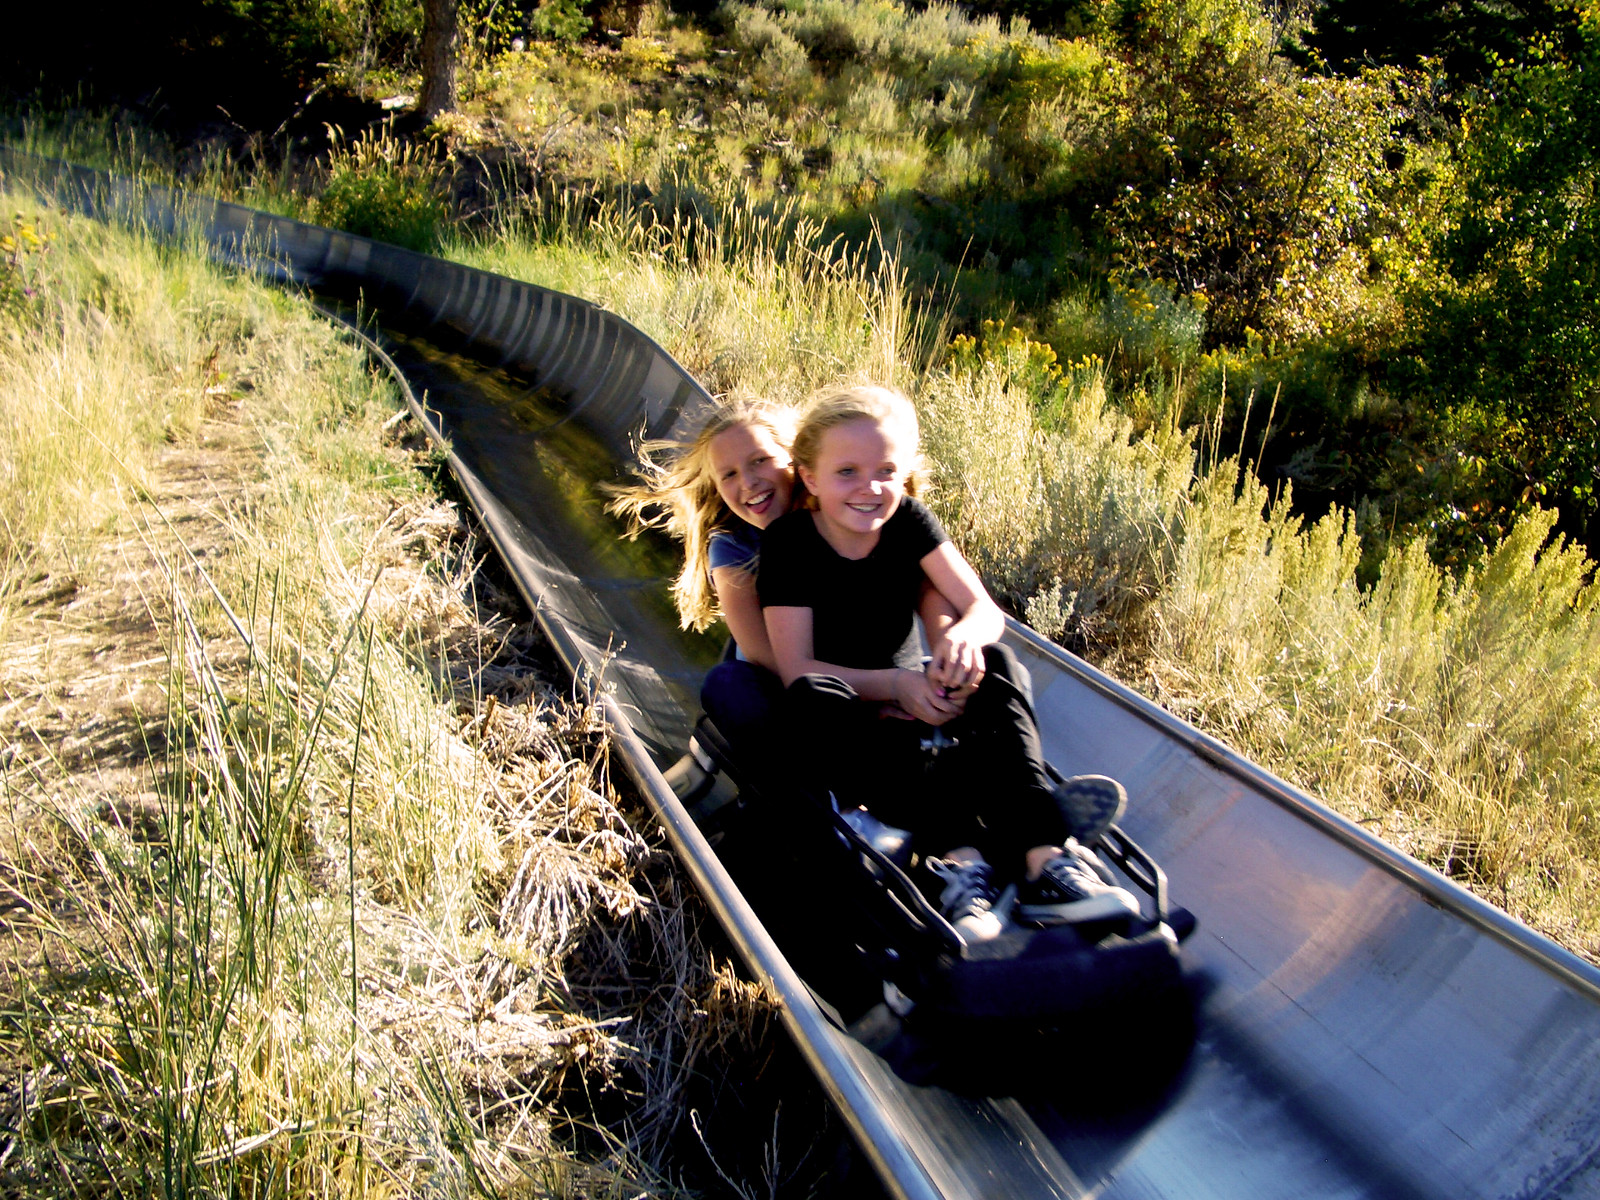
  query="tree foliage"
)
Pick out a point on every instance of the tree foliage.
point(1464, 39)
point(1507, 332)
point(250, 58)
point(1240, 178)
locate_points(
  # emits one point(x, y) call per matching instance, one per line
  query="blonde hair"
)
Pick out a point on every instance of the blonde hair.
point(883, 406)
point(678, 494)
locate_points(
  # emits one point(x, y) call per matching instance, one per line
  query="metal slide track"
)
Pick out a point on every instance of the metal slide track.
point(1365, 1027)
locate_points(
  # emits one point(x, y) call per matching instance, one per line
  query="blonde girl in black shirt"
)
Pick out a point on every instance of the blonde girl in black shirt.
point(839, 582)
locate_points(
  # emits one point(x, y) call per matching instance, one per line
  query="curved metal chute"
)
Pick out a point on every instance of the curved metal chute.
point(1366, 1027)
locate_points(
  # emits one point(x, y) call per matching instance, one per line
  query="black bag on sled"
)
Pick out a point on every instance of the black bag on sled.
point(863, 934)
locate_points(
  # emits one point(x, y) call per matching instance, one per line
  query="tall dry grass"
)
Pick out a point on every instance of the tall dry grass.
point(342, 914)
point(96, 369)
point(747, 299)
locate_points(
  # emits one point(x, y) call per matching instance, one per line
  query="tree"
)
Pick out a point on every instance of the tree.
point(1465, 38)
point(440, 46)
point(1507, 333)
point(1241, 178)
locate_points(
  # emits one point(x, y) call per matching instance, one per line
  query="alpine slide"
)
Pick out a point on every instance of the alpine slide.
point(1365, 1027)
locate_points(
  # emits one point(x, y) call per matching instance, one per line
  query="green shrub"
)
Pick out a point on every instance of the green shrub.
point(1138, 327)
point(1080, 514)
point(1474, 701)
point(1502, 341)
point(1023, 363)
point(559, 21)
point(778, 67)
point(381, 187)
point(1236, 177)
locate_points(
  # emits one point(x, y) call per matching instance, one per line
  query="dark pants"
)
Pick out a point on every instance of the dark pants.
point(991, 791)
point(744, 703)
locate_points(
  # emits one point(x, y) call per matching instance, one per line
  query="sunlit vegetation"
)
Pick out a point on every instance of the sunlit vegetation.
point(1454, 712)
point(1256, 356)
point(317, 880)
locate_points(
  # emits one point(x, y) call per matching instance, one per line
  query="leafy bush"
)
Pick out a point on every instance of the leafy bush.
point(1141, 328)
point(1241, 180)
point(1026, 364)
point(559, 21)
point(381, 187)
point(1516, 286)
point(1463, 43)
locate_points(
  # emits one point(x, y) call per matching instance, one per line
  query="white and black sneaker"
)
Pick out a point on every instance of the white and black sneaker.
point(1091, 804)
point(1071, 889)
point(968, 899)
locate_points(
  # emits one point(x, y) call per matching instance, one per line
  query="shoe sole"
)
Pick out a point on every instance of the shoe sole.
point(1117, 903)
point(1093, 803)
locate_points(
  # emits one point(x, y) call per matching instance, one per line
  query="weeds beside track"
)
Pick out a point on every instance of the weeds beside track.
point(316, 879)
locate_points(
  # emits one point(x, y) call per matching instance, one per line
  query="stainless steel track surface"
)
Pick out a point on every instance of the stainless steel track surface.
point(1366, 1028)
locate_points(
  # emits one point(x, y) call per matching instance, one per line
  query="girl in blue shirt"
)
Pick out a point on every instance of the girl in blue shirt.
point(716, 493)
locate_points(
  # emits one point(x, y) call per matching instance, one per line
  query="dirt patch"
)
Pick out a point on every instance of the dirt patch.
point(84, 661)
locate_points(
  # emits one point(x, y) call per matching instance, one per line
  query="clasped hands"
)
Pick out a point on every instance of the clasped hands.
point(940, 693)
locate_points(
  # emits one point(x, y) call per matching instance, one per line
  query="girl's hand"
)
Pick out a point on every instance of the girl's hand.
point(957, 664)
point(921, 698)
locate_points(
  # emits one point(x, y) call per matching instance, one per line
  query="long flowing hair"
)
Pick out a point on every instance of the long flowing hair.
point(677, 493)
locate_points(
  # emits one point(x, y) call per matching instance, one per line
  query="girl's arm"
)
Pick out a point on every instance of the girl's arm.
point(790, 632)
point(741, 608)
point(958, 648)
point(937, 613)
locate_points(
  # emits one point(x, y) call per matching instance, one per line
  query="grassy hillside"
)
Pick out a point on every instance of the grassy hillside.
point(316, 879)
point(1197, 334)
point(1361, 264)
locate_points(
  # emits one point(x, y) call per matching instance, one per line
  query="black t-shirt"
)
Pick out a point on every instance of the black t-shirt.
point(862, 610)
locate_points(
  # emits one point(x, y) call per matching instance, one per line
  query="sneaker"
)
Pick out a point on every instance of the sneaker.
point(1072, 888)
point(968, 899)
point(1091, 803)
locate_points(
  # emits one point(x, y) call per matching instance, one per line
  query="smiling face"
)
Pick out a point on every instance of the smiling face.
point(859, 479)
point(752, 472)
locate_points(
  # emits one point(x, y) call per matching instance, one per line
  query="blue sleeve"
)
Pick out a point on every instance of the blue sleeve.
point(729, 549)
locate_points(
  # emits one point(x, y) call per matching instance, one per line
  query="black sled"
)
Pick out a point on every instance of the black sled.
point(876, 950)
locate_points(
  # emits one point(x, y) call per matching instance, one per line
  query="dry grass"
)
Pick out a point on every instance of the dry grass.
point(102, 373)
point(748, 302)
point(316, 880)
